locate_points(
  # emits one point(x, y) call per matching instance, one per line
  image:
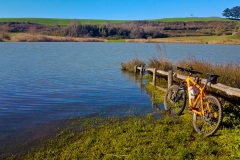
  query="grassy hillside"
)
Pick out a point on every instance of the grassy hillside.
point(192, 19)
point(179, 30)
point(64, 22)
point(58, 21)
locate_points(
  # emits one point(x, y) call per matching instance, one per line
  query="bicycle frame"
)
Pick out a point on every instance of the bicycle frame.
point(193, 103)
point(206, 109)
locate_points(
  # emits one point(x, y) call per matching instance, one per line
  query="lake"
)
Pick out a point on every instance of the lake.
point(43, 83)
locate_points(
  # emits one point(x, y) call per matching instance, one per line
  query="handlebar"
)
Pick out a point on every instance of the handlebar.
point(189, 70)
point(212, 78)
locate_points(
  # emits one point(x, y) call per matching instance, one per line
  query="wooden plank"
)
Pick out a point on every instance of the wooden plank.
point(162, 72)
point(227, 89)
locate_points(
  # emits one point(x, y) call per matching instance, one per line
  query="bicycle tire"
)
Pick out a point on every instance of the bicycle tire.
point(175, 100)
point(208, 124)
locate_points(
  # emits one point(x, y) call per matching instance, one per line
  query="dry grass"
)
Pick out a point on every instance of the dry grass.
point(228, 72)
point(26, 37)
point(129, 65)
point(160, 63)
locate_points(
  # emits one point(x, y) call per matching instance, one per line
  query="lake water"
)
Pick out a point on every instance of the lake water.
point(43, 83)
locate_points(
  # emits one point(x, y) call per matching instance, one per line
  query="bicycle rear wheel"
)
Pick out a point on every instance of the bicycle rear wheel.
point(208, 124)
point(175, 100)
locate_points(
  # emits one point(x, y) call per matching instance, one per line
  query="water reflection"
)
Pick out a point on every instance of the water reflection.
point(137, 79)
point(141, 81)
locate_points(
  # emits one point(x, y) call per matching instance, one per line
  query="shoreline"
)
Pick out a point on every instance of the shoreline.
point(27, 37)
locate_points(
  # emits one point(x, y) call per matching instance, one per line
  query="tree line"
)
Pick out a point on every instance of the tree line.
point(233, 13)
point(126, 30)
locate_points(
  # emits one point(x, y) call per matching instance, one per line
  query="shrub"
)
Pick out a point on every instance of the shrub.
point(236, 34)
point(4, 36)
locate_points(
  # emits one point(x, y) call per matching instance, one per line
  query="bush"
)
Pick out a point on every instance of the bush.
point(4, 36)
point(236, 34)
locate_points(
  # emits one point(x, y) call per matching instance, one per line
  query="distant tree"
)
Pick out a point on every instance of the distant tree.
point(4, 32)
point(73, 28)
point(32, 29)
point(236, 12)
point(227, 13)
point(232, 13)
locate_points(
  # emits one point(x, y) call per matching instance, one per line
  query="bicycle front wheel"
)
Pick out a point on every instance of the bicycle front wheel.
point(208, 124)
point(175, 100)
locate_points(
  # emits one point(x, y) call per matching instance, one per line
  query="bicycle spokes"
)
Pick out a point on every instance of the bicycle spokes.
point(175, 100)
point(206, 109)
point(208, 123)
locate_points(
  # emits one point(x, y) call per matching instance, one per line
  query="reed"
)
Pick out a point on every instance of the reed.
point(129, 65)
point(160, 63)
point(228, 72)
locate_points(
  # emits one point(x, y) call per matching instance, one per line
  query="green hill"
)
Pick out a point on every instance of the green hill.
point(64, 22)
point(59, 21)
point(192, 19)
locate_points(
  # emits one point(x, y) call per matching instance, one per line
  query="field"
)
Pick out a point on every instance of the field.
point(224, 39)
point(61, 22)
point(172, 30)
point(191, 19)
point(64, 22)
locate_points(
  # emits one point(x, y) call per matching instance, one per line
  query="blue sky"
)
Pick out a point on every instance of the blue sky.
point(114, 9)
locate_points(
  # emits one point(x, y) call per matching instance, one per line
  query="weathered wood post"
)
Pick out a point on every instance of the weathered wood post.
point(170, 78)
point(135, 69)
point(154, 76)
point(141, 70)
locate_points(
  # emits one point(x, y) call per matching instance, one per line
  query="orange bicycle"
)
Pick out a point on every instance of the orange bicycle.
point(206, 109)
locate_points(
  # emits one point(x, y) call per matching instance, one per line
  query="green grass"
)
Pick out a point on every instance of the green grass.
point(191, 19)
point(141, 137)
point(116, 40)
point(64, 22)
point(61, 22)
point(224, 39)
point(138, 138)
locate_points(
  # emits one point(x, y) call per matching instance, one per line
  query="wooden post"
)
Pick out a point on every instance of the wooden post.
point(170, 78)
point(154, 76)
point(141, 70)
point(135, 69)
